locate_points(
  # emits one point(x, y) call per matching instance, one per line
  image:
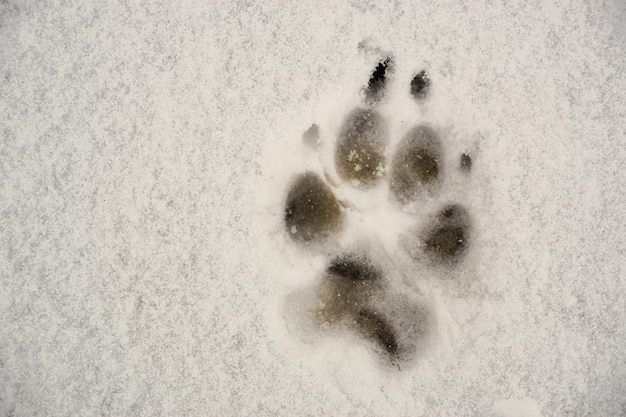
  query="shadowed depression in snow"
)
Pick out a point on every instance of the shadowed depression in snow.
point(353, 292)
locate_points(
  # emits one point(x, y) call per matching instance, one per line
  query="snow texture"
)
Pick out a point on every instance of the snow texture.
point(146, 149)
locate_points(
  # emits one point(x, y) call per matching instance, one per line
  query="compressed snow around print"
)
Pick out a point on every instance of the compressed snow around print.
point(153, 261)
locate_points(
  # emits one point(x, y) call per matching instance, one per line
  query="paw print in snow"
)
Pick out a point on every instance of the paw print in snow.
point(362, 290)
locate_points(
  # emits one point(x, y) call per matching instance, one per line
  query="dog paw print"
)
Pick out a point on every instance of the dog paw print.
point(362, 290)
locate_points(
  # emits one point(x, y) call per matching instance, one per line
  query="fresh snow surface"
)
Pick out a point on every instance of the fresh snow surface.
point(146, 150)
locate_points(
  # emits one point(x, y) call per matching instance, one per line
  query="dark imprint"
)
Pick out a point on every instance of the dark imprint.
point(375, 89)
point(420, 85)
point(353, 269)
point(360, 150)
point(415, 165)
point(447, 241)
point(373, 327)
point(311, 211)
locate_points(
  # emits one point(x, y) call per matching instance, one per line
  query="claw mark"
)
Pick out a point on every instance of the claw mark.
point(376, 86)
point(466, 163)
point(420, 85)
point(311, 137)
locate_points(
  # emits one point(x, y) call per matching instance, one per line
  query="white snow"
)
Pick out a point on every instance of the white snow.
point(146, 149)
point(517, 408)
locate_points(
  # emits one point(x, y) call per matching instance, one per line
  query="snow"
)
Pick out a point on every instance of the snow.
point(145, 157)
point(517, 408)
